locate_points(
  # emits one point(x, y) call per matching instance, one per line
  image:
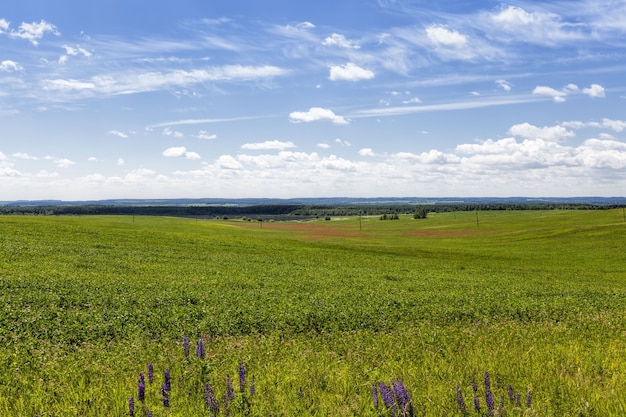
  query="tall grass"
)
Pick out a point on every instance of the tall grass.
point(317, 312)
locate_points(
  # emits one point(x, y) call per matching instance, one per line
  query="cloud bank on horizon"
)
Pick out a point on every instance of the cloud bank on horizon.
point(262, 99)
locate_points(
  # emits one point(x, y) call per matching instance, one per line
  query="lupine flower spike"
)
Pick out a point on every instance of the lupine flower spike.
point(167, 380)
point(200, 349)
point(150, 373)
point(131, 406)
point(242, 378)
point(375, 395)
point(186, 346)
point(460, 401)
point(528, 399)
point(165, 395)
point(252, 387)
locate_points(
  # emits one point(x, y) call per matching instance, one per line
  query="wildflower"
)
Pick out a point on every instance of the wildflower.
point(165, 395)
point(487, 382)
point(200, 349)
point(460, 401)
point(210, 400)
point(150, 373)
point(142, 377)
point(490, 403)
point(528, 399)
point(131, 406)
point(517, 399)
point(375, 396)
point(386, 394)
point(500, 407)
point(476, 403)
point(230, 393)
point(475, 386)
point(252, 387)
point(167, 380)
point(510, 391)
point(149, 413)
point(141, 391)
point(242, 378)
point(186, 346)
point(402, 396)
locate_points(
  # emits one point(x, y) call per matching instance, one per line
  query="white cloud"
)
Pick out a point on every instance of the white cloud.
point(228, 162)
point(34, 31)
point(514, 24)
point(270, 144)
point(4, 25)
point(169, 132)
point(340, 40)
point(10, 66)
point(342, 142)
point(615, 125)
point(180, 152)
point(117, 133)
point(315, 114)
point(595, 90)
point(447, 38)
point(204, 135)
point(22, 155)
point(548, 133)
point(323, 145)
point(349, 72)
point(366, 152)
point(557, 96)
point(132, 82)
point(64, 163)
point(120, 162)
point(503, 84)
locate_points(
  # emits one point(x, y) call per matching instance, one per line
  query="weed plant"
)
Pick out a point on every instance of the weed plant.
point(319, 312)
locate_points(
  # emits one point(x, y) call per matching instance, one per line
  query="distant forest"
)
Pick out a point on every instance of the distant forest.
point(285, 211)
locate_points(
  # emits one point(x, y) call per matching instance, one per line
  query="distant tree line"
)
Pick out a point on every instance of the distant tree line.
point(389, 211)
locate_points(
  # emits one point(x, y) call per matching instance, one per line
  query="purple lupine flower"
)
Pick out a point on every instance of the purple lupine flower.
point(186, 346)
point(149, 413)
point(131, 406)
point(386, 394)
point(475, 386)
point(460, 401)
point(210, 400)
point(167, 380)
point(529, 399)
point(165, 395)
point(252, 387)
point(200, 349)
point(141, 391)
point(510, 392)
point(375, 395)
point(517, 399)
point(150, 373)
point(242, 378)
point(230, 393)
point(491, 404)
point(476, 403)
point(225, 403)
point(142, 377)
point(402, 396)
point(500, 407)
point(487, 382)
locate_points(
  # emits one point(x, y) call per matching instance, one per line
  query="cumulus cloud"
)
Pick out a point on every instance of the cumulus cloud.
point(445, 37)
point(615, 125)
point(517, 24)
point(559, 96)
point(366, 152)
point(203, 134)
point(316, 114)
point(340, 40)
point(595, 90)
point(270, 144)
point(548, 133)
point(169, 132)
point(34, 31)
point(10, 66)
point(349, 72)
point(180, 152)
point(323, 145)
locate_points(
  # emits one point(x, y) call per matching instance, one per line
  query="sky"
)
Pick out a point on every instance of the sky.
point(120, 99)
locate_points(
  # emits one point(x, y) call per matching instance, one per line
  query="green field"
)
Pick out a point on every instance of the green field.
point(316, 312)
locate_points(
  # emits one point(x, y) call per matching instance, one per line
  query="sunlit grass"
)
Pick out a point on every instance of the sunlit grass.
point(316, 311)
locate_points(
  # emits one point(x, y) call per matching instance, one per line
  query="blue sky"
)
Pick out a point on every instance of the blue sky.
point(358, 98)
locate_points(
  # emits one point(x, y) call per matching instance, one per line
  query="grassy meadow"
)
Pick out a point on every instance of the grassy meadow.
point(315, 313)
